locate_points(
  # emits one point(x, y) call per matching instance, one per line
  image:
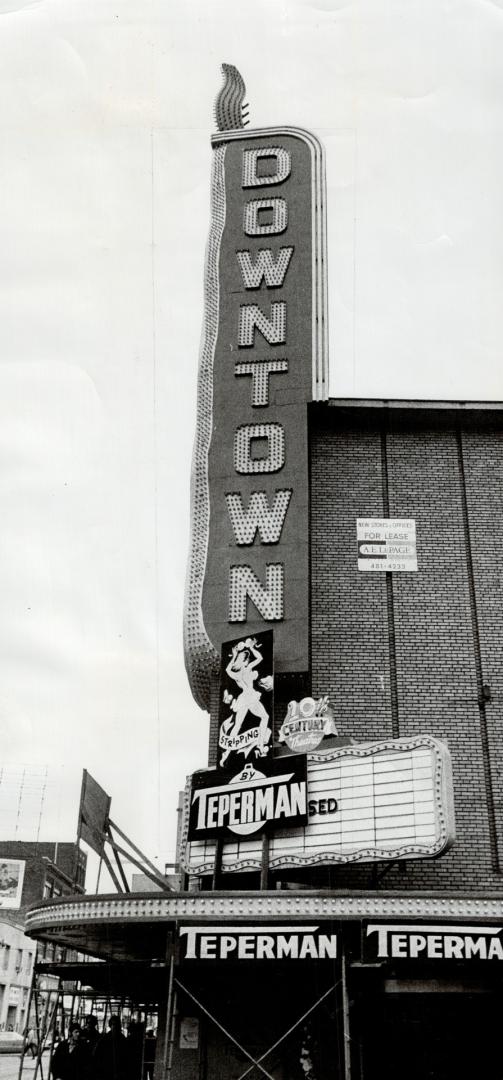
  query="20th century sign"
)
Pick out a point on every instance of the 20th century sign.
point(263, 359)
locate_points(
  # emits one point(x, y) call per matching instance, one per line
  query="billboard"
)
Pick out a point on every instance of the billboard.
point(93, 813)
point(270, 796)
point(365, 803)
point(246, 700)
point(11, 882)
point(263, 358)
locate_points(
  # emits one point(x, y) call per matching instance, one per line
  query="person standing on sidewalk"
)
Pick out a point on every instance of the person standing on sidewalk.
point(31, 1042)
point(71, 1058)
point(111, 1059)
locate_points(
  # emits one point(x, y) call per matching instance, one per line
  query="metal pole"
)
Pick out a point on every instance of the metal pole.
point(346, 1034)
point(79, 828)
point(54, 1020)
point(161, 1060)
point(42, 1029)
point(31, 995)
point(99, 874)
point(172, 1033)
point(217, 865)
point(38, 1028)
point(264, 869)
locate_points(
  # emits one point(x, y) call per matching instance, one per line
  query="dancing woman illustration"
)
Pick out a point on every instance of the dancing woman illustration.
point(245, 658)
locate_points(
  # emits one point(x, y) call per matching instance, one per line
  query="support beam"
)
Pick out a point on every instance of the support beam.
point(346, 1030)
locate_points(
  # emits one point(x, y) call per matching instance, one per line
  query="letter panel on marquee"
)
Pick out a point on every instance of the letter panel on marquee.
point(372, 802)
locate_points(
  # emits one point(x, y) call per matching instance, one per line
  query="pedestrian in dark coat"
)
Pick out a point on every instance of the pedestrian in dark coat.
point(111, 1056)
point(31, 1042)
point(71, 1058)
point(90, 1033)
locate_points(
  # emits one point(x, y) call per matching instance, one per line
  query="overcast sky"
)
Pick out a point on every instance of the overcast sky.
point(107, 111)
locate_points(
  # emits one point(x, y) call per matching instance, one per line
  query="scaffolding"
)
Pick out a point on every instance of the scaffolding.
point(55, 1004)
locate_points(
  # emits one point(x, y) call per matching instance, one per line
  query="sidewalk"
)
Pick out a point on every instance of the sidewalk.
point(9, 1067)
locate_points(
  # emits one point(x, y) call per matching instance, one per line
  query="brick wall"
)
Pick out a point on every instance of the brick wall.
point(419, 652)
point(444, 469)
point(38, 857)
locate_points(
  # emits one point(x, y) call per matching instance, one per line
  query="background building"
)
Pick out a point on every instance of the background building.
point(17, 956)
point(37, 871)
point(49, 868)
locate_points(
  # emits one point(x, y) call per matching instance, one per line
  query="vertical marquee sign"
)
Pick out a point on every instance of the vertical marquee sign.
point(263, 358)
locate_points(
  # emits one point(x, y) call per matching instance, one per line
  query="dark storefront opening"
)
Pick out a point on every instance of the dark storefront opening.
point(287, 1020)
point(443, 1034)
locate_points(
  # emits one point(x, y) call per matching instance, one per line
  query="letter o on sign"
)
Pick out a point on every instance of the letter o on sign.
point(265, 217)
point(244, 438)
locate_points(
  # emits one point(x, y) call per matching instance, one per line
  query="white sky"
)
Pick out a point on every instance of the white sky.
point(107, 111)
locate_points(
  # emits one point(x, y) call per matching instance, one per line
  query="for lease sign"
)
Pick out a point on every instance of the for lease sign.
point(386, 544)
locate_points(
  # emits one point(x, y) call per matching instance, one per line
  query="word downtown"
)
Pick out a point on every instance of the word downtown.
point(264, 217)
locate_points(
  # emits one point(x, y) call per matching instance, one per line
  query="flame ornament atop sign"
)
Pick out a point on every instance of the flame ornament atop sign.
point(230, 113)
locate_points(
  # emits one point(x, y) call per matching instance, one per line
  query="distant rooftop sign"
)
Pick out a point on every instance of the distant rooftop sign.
point(386, 544)
point(11, 882)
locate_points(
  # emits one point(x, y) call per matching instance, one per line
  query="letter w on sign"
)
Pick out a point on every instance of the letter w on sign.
point(259, 516)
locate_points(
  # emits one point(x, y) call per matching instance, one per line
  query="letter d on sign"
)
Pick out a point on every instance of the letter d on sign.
point(277, 164)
